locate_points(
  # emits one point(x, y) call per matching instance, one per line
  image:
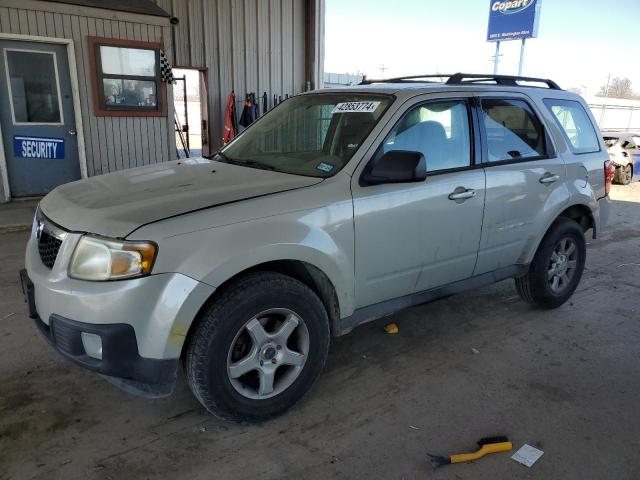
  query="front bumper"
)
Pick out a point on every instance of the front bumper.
point(119, 360)
point(142, 322)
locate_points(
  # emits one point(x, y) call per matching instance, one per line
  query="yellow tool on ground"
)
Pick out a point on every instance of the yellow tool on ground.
point(391, 328)
point(487, 445)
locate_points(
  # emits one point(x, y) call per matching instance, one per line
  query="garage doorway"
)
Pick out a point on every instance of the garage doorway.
point(191, 112)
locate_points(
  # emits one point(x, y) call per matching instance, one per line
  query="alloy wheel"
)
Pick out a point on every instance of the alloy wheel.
point(268, 353)
point(562, 265)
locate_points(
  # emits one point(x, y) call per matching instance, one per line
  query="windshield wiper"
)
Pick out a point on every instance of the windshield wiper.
point(218, 154)
point(254, 164)
point(246, 163)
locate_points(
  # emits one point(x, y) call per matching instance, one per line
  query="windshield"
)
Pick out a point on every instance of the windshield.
point(313, 135)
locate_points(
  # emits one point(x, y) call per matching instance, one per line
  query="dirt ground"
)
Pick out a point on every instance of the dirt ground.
point(565, 381)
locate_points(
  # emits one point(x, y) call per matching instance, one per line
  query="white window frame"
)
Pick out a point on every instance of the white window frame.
point(55, 67)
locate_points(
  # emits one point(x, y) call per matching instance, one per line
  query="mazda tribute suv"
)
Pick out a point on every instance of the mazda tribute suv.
point(336, 208)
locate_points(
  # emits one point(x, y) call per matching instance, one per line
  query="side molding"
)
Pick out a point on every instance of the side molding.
point(388, 307)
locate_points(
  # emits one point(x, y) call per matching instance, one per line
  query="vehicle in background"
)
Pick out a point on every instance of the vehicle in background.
point(624, 152)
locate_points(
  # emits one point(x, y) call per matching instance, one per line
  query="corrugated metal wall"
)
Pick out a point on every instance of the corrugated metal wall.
point(112, 143)
point(247, 45)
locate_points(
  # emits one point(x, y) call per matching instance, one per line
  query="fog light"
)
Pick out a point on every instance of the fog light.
point(92, 345)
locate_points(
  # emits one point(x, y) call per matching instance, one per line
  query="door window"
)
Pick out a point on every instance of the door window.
point(33, 87)
point(575, 125)
point(439, 130)
point(513, 131)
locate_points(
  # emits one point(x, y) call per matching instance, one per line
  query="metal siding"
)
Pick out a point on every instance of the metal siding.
point(298, 43)
point(181, 33)
point(14, 25)
point(225, 84)
point(212, 54)
point(251, 47)
point(246, 45)
point(196, 33)
point(275, 41)
point(4, 19)
point(287, 47)
point(264, 51)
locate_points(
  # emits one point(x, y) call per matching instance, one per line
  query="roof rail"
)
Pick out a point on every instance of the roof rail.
point(366, 81)
point(462, 78)
point(508, 80)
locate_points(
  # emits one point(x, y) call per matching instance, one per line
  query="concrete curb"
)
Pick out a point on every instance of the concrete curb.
point(19, 227)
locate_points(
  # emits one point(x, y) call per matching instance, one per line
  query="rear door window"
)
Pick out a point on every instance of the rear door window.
point(575, 124)
point(514, 132)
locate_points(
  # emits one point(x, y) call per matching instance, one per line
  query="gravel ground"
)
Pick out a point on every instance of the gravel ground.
point(481, 363)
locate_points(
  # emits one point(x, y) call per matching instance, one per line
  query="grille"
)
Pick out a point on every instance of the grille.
point(48, 246)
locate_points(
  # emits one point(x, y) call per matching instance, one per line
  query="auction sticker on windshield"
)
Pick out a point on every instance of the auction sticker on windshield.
point(355, 107)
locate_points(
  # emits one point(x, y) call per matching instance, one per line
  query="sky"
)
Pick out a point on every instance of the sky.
point(579, 43)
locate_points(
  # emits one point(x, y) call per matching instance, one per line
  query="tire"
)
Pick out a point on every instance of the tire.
point(538, 286)
point(265, 321)
point(624, 174)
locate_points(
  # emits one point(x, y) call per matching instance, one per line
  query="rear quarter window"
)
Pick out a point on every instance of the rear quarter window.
point(514, 133)
point(575, 125)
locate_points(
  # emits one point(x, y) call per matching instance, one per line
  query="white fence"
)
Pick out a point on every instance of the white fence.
point(616, 113)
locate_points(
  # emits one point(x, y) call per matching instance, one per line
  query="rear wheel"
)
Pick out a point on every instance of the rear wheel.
point(624, 174)
point(258, 348)
point(557, 267)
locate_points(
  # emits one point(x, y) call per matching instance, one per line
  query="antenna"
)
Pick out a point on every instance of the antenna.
point(382, 68)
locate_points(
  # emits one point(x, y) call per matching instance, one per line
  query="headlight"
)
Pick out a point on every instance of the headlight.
point(100, 259)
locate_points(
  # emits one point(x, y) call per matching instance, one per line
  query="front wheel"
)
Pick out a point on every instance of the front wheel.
point(258, 348)
point(557, 266)
point(624, 174)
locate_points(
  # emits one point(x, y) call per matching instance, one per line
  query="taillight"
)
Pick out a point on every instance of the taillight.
point(609, 173)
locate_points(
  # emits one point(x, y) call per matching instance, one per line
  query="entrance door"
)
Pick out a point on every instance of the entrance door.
point(37, 117)
point(411, 237)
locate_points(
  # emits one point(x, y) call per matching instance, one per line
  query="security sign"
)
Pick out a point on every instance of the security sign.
point(38, 147)
point(513, 19)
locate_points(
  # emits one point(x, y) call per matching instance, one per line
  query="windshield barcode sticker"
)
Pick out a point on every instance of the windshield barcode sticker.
point(353, 107)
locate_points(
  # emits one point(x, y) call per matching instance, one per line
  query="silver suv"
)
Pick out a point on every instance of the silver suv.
point(336, 208)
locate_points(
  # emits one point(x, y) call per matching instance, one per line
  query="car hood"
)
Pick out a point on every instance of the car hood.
point(118, 203)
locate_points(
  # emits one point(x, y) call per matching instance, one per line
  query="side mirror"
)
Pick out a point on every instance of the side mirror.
point(397, 166)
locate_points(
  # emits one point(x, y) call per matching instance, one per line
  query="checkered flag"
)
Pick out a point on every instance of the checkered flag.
point(166, 72)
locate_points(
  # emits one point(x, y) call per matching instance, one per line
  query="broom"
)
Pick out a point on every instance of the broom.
point(487, 445)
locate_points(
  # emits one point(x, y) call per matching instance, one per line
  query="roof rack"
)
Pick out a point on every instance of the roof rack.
point(462, 78)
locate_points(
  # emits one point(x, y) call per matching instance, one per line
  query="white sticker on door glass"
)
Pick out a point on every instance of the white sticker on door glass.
point(355, 107)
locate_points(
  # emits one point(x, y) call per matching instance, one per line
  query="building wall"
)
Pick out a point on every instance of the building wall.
point(247, 46)
point(111, 143)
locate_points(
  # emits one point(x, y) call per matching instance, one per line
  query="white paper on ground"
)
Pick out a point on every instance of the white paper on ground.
point(527, 455)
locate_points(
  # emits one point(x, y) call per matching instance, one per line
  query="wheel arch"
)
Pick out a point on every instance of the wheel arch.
point(578, 212)
point(310, 275)
point(582, 215)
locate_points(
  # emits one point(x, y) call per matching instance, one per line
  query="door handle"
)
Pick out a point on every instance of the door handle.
point(549, 178)
point(72, 132)
point(462, 194)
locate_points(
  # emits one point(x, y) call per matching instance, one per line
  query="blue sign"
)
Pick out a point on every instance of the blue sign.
point(38, 147)
point(513, 19)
